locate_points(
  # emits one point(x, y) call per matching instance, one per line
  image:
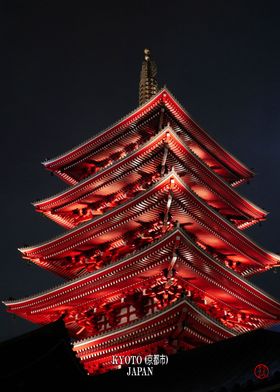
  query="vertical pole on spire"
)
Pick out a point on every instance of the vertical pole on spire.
point(148, 84)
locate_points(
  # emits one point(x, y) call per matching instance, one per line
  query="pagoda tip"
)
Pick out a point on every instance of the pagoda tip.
point(148, 85)
point(147, 54)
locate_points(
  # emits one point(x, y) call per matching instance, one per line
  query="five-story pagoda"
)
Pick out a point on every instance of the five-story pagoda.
point(154, 256)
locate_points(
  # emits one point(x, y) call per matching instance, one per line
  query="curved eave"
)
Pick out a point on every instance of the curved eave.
point(271, 258)
point(62, 196)
point(205, 140)
point(192, 309)
point(100, 138)
point(32, 251)
point(63, 242)
point(163, 97)
point(74, 192)
point(98, 275)
point(143, 261)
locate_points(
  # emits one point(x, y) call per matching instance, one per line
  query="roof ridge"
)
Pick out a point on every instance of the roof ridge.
point(115, 124)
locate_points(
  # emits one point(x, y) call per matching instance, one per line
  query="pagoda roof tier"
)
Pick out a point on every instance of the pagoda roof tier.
point(207, 225)
point(195, 269)
point(125, 132)
point(182, 321)
point(146, 159)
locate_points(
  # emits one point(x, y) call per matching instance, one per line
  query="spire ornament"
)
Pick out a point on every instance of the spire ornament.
point(148, 85)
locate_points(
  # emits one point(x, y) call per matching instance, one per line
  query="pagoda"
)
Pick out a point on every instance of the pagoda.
point(154, 255)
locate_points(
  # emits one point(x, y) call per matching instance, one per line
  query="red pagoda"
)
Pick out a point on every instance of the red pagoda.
point(154, 257)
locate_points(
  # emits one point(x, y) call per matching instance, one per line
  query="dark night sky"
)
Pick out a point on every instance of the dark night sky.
point(71, 71)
